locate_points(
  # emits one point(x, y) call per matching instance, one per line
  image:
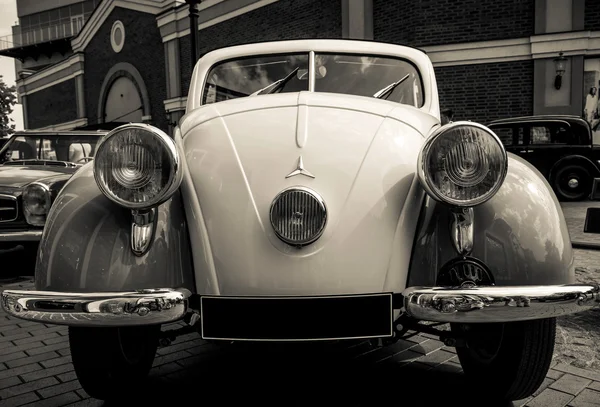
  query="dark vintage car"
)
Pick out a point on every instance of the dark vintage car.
point(34, 166)
point(310, 193)
point(560, 146)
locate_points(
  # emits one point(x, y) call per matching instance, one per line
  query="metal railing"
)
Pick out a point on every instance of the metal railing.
point(39, 35)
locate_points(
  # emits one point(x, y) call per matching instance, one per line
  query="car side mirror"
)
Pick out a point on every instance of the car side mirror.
point(592, 216)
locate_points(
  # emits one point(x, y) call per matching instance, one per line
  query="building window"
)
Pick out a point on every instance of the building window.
point(117, 36)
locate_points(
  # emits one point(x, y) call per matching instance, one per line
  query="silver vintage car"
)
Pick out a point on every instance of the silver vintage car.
point(309, 193)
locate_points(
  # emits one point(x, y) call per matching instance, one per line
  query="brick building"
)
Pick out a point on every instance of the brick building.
point(97, 63)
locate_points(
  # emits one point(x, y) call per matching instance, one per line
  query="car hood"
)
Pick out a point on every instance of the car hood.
point(362, 153)
point(19, 176)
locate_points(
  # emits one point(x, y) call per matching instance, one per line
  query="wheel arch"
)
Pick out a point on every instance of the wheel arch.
point(574, 159)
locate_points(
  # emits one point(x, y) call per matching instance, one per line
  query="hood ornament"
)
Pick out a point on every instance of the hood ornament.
point(300, 170)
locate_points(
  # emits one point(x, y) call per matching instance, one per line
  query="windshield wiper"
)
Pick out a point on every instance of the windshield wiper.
point(388, 89)
point(278, 84)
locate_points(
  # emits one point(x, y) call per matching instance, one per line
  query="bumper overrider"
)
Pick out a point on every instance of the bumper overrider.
point(439, 304)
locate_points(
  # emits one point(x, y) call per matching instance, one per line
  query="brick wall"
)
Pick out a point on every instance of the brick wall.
point(53, 105)
point(143, 49)
point(592, 15)
point(485, 92)
point(285, 19)
point(420, 23)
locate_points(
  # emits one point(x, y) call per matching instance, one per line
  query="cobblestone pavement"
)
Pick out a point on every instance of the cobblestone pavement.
point(36, 370)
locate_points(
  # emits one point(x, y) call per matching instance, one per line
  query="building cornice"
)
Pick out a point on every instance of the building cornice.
point(175, 23)
point(517, 49)
point(102, 12)
point(64, 70)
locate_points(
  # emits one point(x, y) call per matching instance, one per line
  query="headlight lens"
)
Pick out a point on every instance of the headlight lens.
point(462, 164)
point(137, 166)
point(36, 203)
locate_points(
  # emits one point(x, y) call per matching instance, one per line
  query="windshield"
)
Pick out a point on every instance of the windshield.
point(380, 77)
point(243, 77)
point(76, 149)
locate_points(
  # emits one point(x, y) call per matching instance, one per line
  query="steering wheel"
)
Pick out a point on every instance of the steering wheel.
point(85, 159)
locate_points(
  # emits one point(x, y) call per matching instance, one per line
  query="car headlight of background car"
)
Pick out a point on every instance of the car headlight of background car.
point(462, 164)
point(36, 203)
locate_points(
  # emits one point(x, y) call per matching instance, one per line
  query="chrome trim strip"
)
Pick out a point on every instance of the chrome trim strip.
point(498, 304)
point(462, 230)
point(21, 236)
point(312, 71)
point(132, 308)
point(13, 198)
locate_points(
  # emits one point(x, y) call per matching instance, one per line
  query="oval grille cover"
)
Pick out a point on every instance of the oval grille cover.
point(298, 216)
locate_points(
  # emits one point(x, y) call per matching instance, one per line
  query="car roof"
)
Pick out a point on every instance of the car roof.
point(540, 117)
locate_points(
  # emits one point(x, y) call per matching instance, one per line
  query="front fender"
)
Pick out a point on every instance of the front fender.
point(85, 246)
point(520, 234)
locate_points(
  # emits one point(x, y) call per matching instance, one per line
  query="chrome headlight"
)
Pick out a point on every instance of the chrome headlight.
point(36, 203)
point(462, 164)
point(137, 166)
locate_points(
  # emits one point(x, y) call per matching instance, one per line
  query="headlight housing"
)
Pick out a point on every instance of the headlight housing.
point(137, 166)
point(462, 164)
point(37, 200)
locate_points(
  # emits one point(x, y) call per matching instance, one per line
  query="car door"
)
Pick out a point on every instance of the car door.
point(549, 141)
point(511, 135)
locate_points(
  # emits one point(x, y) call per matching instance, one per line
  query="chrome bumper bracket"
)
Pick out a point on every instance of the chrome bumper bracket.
point(132, 308)
point(498, 304)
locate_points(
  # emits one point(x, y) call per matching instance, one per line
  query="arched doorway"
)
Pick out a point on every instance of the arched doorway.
point(123, 96)
point(123, 102)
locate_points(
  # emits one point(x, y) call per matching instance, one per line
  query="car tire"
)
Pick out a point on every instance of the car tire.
point(565, 177)
point(507, 361)
point(111, 363)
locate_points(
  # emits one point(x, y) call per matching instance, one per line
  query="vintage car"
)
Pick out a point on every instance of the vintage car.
point(309, 193)
point(34, 166)
point(561, 147)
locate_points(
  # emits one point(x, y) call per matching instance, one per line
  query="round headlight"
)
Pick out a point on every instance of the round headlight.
point(137, 166)
point(462, 164)
point(36, 203)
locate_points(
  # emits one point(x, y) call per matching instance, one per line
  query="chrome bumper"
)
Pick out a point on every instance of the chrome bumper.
point(143, 307)
point(21, 236)
point(498, 304)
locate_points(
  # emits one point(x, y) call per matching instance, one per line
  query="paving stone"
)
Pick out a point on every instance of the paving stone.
point(10, 348)
point(59, 389)
point(9, 381)
point(594, 386)
point(20, 400)
point(27, 387)
point(37, 351)
point(428, 346)
point(550, 398)
point(554, 374)
point(31, 359)
point(56, 361)
point(37, 338)
point(27, 377)
point(20, 370)
point(57, 401)
point(588, 374)
point(547, 382)
point(67, 377)
point(587, 398)
point(87, 403)
point(570, 384)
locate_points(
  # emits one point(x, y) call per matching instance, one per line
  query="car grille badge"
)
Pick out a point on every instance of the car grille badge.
point(300, 170)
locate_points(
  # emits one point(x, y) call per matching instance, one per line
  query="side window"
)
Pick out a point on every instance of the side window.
point(520, 136)
point(551, 134)
point(505, 134)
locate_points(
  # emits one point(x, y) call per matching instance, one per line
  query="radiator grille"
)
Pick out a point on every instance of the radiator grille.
point(298, 216)
point(9, 209)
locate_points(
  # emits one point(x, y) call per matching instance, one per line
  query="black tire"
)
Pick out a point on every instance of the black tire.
point(507, 361)
point(110, 363)
point(562, 188)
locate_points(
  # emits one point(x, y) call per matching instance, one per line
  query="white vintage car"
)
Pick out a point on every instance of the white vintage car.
point(310, 193)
